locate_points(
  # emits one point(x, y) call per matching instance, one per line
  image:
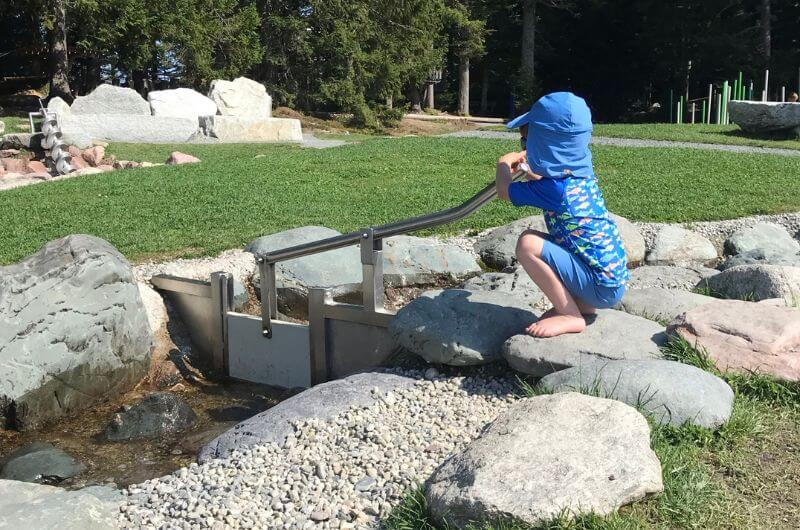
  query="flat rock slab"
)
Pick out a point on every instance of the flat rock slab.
point(765, 116)
point(40, 462)
point(157, 415)
point(548, 456)
point(73, 330)
point(745, 337)
point(109, 99)
point(611, 335)
point(757, 282)
point(497, 248)
point(130, 128)
point(669, 277)
point(659, 304)
point(409, 260)
point(235, 129)
point(672, 393)
point(459, 327)
point(26, 505)
point(675, 245)
point(322, 401)
point(516, 283)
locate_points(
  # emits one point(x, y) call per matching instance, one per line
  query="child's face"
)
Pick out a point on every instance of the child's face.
point(523, 136)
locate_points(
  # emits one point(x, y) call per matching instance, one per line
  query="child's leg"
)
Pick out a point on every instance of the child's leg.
point(567, 317)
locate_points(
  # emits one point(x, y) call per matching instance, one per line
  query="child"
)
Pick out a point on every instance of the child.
point(581, 264)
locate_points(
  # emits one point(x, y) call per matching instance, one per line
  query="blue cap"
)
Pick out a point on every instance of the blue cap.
point(559, 129)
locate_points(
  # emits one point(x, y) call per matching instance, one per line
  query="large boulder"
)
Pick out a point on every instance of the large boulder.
point(674, 245)
point(765, 116)
point(757, 282)
point(672, 393)
point(59, 106)
point(2, 127)
point(769, 238)
point(242, 97)
point(130, 128)
point(409, 260)
point(669, 277)
point(323, 401)
point(460, 327)
point(745, 337)
point(497, 248)
point(40, 462)
point(338, 268)
point(610, 335)
point(73, 330)
point(659, 304)
point(759, 257)
point(547, 457)
point(516, 283)
point(26, 505)
point(109, 99)
point(181, 103)
point(157, 415)
point(240, 129)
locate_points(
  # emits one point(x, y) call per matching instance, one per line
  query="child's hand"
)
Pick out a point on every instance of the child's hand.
point(513, 160)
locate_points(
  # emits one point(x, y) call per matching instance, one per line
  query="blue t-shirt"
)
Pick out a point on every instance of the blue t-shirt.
point(577, 219)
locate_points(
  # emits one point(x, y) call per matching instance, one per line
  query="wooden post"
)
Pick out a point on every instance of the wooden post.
point(703, 113)
point(783, 94)
point(718, 113)
point(710, 100)
point(766, 86)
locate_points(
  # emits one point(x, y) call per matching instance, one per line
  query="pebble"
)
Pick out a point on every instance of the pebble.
point(346, 472)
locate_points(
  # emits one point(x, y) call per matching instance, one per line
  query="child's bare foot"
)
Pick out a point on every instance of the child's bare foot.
point(552, 326)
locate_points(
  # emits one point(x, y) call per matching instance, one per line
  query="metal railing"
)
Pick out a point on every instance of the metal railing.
point(371, 242)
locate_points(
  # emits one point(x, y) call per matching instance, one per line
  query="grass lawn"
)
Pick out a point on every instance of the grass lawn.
point(231, 197)
point(705, 134)
point(15, 124)
point(744, 476)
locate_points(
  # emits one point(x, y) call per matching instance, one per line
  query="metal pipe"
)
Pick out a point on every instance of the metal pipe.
point(390, 229)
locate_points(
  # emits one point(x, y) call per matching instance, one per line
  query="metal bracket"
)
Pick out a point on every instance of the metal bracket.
point(269, 296)
point(372, 270)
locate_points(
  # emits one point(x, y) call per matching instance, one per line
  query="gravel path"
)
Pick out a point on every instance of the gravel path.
point(343, 473)
point(630, 142)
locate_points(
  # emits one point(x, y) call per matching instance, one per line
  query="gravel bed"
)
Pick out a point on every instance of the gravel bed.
point(344, 473)
point(239, 263)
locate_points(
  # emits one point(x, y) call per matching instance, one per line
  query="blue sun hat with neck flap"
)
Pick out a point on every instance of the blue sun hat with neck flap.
point(559, 129)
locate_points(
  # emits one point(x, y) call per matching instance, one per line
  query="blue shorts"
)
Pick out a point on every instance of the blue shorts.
point(578, 277)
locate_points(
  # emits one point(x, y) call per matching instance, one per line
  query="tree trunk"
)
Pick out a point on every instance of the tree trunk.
point(485, 89)
point(431, 97)
point(463, 86)
point(59, 62)
point(766, 30)
point(528, 41)
point(415, 98)
point(389, 102)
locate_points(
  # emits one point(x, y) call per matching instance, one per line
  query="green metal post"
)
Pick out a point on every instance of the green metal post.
point(724, 101)
point(741, 87)
point(718, 113)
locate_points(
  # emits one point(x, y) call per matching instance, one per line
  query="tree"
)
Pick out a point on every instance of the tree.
point(766, 30)
point(468, 43)
point(59, 60)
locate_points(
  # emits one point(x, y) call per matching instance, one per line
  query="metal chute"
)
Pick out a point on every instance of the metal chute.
point(51, 139)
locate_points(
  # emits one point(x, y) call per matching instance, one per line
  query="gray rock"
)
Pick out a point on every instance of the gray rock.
point(497, 248)
point(129, 128)
point(181, 103)
point(22, 141)
point(59, 106)
point(516, 283)
point(417, 261)
point(757, 282)
point(675, 245)
point(672, 393)
point(235, 129)
point(109, 99)
point(659, 304)
point(73, 330)
point(759, 257)
point(26, 505)
point(2, 127)
point(40, 462)
point(669, 277)
point(78, 138)
point(242, 97)
point(159, 414)
point(104, 493)
point(766, 238)
point(610, 335)
point(548, 456)
point(338, 268)
point(765, 116)
point(322, 401)
point(459, 327)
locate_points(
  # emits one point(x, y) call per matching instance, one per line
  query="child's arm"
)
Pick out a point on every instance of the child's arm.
point(539, 192)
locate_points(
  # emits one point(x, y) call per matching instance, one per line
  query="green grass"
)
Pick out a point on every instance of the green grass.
point(232, 197)
point(742, 476)
point(15, 124)
point(706, 134)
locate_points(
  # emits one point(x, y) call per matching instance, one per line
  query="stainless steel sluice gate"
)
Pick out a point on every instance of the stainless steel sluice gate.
point(339, 338)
